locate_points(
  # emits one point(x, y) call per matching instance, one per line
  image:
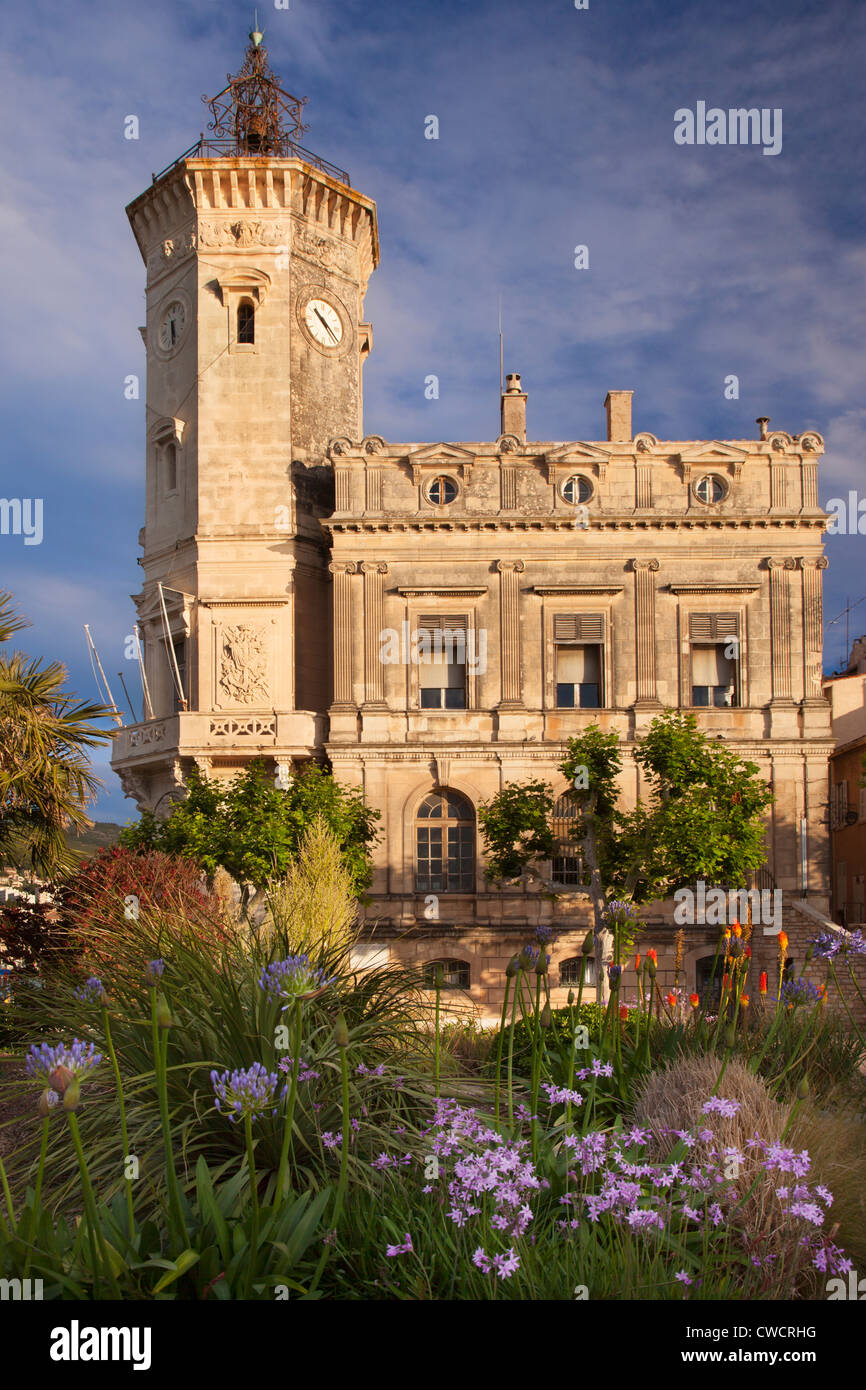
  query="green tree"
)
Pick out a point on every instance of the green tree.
point(516, 828)
point(703, 818)
point(253, 828)
point(46, 781)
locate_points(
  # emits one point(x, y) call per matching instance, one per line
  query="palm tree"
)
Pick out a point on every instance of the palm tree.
point(46, 781)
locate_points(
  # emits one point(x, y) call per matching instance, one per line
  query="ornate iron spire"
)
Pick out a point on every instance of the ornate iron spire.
point(253, 114)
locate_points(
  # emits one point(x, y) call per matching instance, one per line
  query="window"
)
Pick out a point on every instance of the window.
point(708, 982)
point(441, 491)
point(442, 661)
point(863, 803)
point(715, 644)
point(246, 321)
point(839, 805)
point(445, 844)
point(169, 467)
point(576, 490)
point(570, 970)
point(567, 862)
point(179, 645)
point(710, 489)
point(455, 974)
point(578, 648)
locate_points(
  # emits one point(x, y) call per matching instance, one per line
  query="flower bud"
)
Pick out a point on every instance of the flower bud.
point(570, 997)
point(803, 1088)
point(512, 967)
point(783, 942)
point(652, 962)
point(543, 961)
point(163, 1013)
point(762, 982)
point(744, 1001)
point(525, 959)
point(72, 1095)
point(546, 1017)
point(48, 1101)
point(60, 1078)
point(695, 1000)
point(730, 1035)
point(588, 944)
point(341, 1032)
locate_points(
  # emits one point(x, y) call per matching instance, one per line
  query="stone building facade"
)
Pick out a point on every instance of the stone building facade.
point(847, 807)
point(290, 560)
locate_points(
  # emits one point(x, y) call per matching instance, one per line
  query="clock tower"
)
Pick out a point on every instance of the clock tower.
point(258, 255)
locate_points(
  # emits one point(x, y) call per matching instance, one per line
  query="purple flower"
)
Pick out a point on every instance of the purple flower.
point(682, 1276)
point(293, 978)
point(43, 1061)
point(247, 1092)
point(404, 1249)
point(91, 992)
point(728, 1108)
point(506, 1264)
point(154, 970)
point(797, 992)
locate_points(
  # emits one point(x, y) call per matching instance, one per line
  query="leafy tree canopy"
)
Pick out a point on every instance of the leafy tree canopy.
point(253, 829)
point(516, 828)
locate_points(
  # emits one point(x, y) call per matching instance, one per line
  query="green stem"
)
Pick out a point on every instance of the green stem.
point(31, 1225)
point(499, 1042)
point(436, 1039)
point(130, 1212)
point(160, 1059)
point(90, 1204)
point(344, 1148)
point(254, 1199)
point(511, 1049)
point(297, 1021)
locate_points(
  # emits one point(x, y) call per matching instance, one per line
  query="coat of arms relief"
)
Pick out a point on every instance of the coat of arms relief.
point(243, 674)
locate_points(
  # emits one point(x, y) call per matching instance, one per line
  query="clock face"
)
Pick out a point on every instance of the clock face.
point(324, 323)
point(171, 325)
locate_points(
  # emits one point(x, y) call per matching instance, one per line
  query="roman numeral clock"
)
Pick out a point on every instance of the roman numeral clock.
point(258, 255)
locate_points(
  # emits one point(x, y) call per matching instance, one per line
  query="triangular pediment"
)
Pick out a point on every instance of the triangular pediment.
point(714, 452)
point(438, 453)
point(577, 452)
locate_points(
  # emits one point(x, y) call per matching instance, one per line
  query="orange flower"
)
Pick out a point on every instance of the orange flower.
point(637, 961)
point(783, 942)
point(672, 999)
point(748, 953)
point(651, 955)
point(738, 930)
point(694, 1000)
point(762, 983)
point(623, 1012)
point(726, 981)
point(744, 1001)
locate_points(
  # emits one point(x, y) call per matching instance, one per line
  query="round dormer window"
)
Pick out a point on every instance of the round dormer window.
point(441, 491)
point(711, 489)
point(576, 490)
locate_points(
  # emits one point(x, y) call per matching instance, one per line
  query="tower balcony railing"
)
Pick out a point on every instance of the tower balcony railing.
point(284, 148)
point(194, 733)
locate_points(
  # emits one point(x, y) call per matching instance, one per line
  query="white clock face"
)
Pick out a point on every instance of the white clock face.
point(171, 326)
point(324, 323)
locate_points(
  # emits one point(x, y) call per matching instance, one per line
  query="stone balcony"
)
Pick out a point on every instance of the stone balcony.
point(196, 734)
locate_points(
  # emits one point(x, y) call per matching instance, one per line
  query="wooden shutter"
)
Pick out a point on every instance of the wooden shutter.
point(444, 622)
point(713, 627)
point(578, 627)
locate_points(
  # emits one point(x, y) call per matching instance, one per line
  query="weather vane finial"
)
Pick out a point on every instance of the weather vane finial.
point(253, 114)
point(255, 33)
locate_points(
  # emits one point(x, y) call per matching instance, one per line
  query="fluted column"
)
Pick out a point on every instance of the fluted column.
point(780, 625)
point(509, 631)
point(374, 611)
point(645, 629)
point(342, 571)
point(813, 625)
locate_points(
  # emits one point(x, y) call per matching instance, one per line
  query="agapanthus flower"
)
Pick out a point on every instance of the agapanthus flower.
point(247, 1092)
point(58, 1066)
point(829, 944)
point(293, 979)
point(91, 992)
point(543, 934)
point(154, 970)
point(797, 992)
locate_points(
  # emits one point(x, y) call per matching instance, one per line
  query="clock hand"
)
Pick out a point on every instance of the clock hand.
point(325, 323)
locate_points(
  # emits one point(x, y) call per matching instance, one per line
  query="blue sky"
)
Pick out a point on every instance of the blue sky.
point(556, 129)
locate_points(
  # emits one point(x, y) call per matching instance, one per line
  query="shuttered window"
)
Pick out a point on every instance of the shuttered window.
point(578, 627)
point(442, 666)
point(458, 623)
point(712, 627)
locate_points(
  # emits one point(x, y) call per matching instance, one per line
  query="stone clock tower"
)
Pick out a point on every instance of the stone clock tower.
point(258, 255)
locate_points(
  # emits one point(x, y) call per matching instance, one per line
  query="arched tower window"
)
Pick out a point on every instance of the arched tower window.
point(246, 322)
point(445, 844)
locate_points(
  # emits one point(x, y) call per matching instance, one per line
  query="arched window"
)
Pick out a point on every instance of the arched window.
point(445, 844)
point(169, 455)
point(246, 322)
point(567, 863)
point(455, 974)
point(570, 970)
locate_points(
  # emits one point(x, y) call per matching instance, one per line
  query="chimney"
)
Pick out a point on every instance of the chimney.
point(762, 422)
point(514, 408)
point(618, 407)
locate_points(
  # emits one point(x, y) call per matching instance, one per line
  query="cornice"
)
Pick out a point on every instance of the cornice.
point(442, 591)
point(627, 522)
point(714, 588)
point(555, 590)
